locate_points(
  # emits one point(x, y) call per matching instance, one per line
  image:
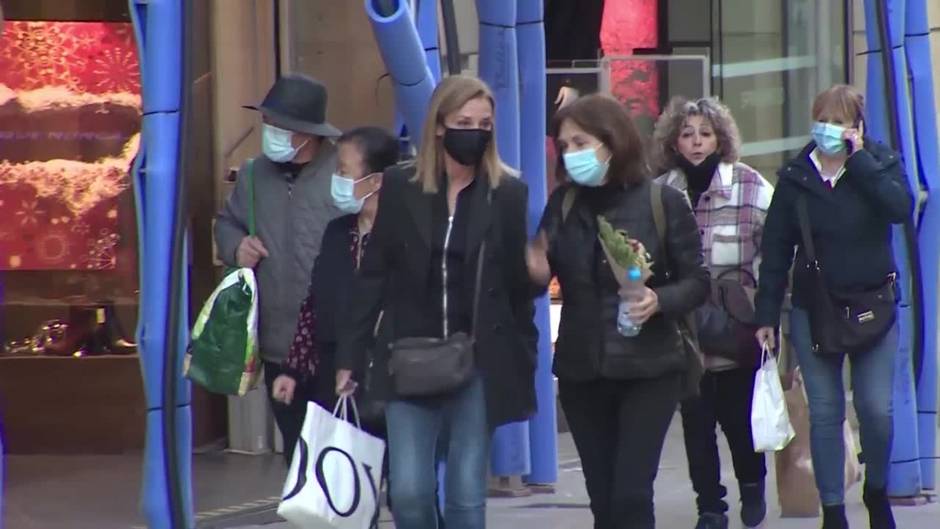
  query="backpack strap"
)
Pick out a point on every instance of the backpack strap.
point(567, 202)
point(659, 213)
point(250, 176)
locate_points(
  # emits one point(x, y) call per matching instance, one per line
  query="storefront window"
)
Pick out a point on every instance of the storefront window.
point(70, 106)
point(770, 60)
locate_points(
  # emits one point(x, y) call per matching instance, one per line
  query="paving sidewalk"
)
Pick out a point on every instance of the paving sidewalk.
point(675, 505)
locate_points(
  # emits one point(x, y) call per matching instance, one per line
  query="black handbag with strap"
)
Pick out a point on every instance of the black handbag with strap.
point(430, 366)
point(726, 323)
point(843, 322)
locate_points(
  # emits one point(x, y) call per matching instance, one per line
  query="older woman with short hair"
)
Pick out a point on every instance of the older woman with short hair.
point(849, 191)
point(697, 146)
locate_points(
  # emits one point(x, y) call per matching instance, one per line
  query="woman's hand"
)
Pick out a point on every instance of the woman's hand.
point(766, 336)
point(536, 260)
point(345, 385)
point(283, 390)
point(645, 307)
point(855, 138)
point(566, 96)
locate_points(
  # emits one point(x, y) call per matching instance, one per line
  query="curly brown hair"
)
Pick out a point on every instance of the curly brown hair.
point(670, 123)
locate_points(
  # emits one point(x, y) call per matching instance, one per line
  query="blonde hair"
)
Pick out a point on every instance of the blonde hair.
point(841, 102)
point(451, 95)
point(673, 119)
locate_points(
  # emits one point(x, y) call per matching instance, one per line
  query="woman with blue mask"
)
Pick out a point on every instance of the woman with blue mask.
point(619, 393)
point(309, 370)
point(835, 204)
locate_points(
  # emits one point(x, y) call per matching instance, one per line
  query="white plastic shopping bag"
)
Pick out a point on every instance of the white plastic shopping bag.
point(335, 474)
point(770, 422)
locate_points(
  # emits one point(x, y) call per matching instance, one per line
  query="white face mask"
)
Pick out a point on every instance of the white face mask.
point(343, 191)
point(277, 143)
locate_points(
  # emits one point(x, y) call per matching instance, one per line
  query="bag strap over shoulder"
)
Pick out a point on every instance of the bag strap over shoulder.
point(802, 213)
point(479, 275)
point(250, 176)
point(567, 202)
point(659, 220)
point(659, 216)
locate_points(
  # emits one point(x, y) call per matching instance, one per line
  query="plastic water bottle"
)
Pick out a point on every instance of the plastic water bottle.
point(634, 286)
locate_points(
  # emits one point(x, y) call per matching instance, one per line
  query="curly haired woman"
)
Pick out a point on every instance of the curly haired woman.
point(697, 144)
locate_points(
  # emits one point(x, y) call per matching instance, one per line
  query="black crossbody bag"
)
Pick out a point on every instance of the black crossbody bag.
point(428, 366)
point(844, 322)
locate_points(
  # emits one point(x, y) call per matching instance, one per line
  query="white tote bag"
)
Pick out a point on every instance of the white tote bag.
point(770, 422)
point(335, 474)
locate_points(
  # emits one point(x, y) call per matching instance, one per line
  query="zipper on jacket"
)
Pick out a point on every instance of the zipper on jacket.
point(450, 225)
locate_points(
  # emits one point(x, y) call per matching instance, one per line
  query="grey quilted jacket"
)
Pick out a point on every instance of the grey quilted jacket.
point(291, 215)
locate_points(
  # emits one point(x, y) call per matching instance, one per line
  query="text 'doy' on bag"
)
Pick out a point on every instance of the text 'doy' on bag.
point(335, 473)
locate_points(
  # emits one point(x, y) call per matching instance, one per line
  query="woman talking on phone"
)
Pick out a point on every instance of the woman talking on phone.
point(835, 204)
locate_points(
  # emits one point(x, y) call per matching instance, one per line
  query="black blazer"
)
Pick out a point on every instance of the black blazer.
point(395, 273)
point(851, 226)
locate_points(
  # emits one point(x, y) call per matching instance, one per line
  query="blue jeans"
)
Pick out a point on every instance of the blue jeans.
point(873, 388)
point(414, 428)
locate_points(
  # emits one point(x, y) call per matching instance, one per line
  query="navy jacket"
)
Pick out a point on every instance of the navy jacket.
point(851, 226)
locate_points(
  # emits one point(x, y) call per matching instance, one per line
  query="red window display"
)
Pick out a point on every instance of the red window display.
point(628, 25)
point(69, 129)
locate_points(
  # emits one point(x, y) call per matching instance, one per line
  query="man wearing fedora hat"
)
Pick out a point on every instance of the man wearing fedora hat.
point(293, 205)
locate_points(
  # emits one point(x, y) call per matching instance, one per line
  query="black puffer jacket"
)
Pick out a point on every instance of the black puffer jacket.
point(589, 346)
point(851, 226)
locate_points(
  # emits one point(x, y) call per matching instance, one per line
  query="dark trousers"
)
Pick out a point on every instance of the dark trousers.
point(726, 400)
point(289, 417)
point(619, 427)
point(319, 389)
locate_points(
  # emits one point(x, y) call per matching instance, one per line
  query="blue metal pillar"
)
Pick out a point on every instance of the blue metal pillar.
point(166, 498)
point(889, 120)
point(543, 429)
point(499, 67)
point(917, 48)
point(426, 22)
point(404, 57)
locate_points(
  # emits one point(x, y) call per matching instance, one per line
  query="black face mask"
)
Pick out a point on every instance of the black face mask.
point(467, 146)
point(700, 175)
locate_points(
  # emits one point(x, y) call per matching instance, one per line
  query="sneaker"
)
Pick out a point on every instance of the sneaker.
point(753, 505)
point(879, 508)
point(710, 520)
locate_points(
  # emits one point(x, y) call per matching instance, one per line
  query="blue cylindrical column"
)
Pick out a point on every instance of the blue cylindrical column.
point(427, 30)
point(904, 474)
point(155, 181)
point(917, 47)
point(543, 429)
point(404, 57)
point(499, 67)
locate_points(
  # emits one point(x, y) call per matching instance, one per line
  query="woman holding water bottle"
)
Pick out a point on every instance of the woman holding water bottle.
point(619, 381)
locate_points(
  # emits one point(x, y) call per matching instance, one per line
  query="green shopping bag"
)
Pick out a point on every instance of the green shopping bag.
point(223, 351)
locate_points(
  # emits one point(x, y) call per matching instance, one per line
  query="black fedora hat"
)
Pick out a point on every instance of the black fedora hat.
point(298, 103)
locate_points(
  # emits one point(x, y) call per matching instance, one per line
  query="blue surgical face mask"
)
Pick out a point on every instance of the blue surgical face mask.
point(343, 191)
point(828, 137)
point(584, 168)
point(277, 144)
